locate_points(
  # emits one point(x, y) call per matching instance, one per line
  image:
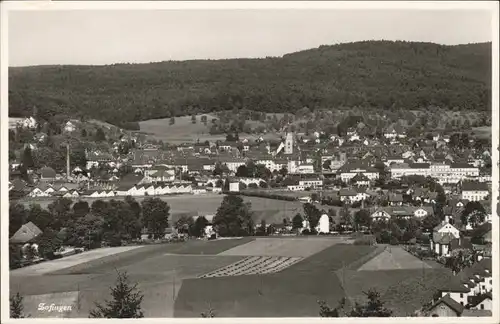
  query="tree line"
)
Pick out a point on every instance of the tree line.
point(391, 75)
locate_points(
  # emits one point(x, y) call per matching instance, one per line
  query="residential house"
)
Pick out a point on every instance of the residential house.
point(26, 233)
point(395, 199)
point(360, 180)
point(442, 236)
point(311, 183)
point(445, 307)
point(47, 174)
point(474, 191)
point(481, 302)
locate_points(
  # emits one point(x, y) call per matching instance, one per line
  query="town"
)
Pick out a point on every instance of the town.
point(397, 200)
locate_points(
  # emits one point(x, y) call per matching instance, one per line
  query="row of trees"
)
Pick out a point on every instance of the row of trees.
point(81, 225)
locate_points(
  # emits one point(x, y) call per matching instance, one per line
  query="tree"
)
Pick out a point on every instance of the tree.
point(15, 256)
point(199, 226)
point(184, 224)
point(155, 215)
point(283, 171)
point(99, 135)
point(297, 222)
point(262, 229)
point(234, 217)
point(345, 216)
point(48, 243)
point(327, 311)
point(81, 208)
point(473, 214)
point(373, 308)
point(16, 306)
point(18, 216)
point(60, 209)
point(242, 171)
point(126, 302)
point(27, 158)
point(312, 215)
point(362, 218)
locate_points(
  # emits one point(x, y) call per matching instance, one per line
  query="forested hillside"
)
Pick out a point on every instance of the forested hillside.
point(382, 74)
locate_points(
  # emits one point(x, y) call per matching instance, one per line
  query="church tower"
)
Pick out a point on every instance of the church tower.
point(289, 143)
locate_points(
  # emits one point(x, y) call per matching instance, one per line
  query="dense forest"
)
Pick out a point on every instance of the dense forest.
point(379, 74)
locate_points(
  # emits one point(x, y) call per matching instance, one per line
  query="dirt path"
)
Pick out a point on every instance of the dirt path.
point(70, 261)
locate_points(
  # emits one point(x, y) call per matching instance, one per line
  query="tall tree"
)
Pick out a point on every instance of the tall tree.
point(234, 217)
point(60, 209)
point(16, 306)
point(126, 302)
point(297, 222)
point(362, 218)
point(27, 158)
point(18, 216)
point(155, 213)
point(312, 215)
point(99, 135)
point(199, 226)
point(81, 208)
point(373, 308)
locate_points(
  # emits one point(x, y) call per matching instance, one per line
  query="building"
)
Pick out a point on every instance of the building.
point(474, 191)
point(350, 170)
point(443, 172)
point(442, 238)
point(25, 234)
point(311, 183)
point(47, 174)
point(289, 143)
point(234, 186)
point(445, 307)
point(323, 224)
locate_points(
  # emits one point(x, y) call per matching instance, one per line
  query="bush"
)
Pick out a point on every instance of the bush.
point(365, 240)
point(394, 241)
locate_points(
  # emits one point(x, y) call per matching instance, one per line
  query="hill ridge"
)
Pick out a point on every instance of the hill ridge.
point(394, 75)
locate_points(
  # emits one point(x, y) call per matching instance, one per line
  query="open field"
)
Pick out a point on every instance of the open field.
point(234, 278)
point(393, 258)
point(482, 132)
point(290, 247)
point(158, 269)
point(185, 131)
point(195, 204)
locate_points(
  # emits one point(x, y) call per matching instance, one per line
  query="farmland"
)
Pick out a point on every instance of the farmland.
point(258, 277)
point(185, 131)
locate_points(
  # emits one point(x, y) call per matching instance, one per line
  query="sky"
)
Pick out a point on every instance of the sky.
point(96, 37)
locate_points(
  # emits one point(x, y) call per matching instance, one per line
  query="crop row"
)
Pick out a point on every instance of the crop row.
point(254, 265)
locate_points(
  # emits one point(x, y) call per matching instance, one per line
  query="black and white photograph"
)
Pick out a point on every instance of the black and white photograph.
point(243, 160)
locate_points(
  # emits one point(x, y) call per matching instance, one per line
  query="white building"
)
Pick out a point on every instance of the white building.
point(234, 186)
point(323, 224)
point(311, 183)
point(289, 143)
point(443, 172)
point(474, 191)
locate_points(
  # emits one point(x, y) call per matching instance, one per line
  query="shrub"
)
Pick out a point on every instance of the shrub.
point(394, 241)
point(365, 240)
